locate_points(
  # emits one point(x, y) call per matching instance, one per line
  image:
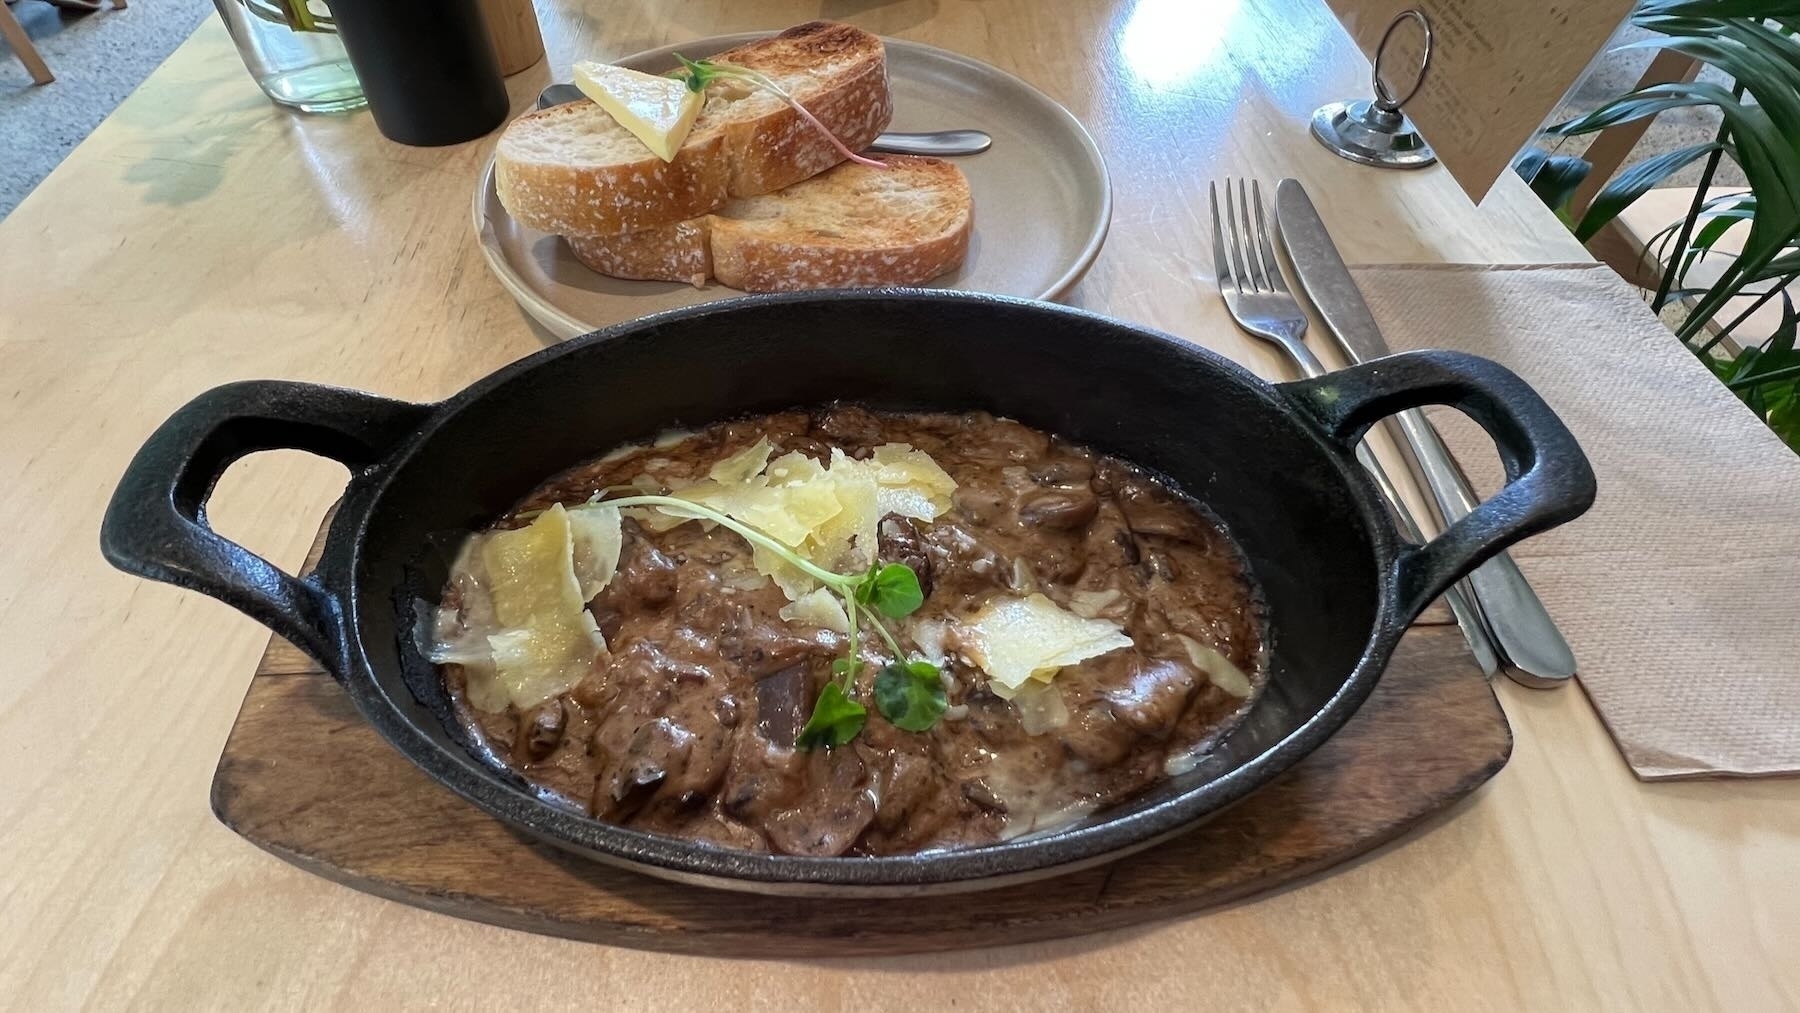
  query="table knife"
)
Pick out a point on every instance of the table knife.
point(1533, 648)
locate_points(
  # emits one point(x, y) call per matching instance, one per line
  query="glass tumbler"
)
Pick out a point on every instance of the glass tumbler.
point(292, 49)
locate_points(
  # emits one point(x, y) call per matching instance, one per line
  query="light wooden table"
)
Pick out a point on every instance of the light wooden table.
point(201, 236)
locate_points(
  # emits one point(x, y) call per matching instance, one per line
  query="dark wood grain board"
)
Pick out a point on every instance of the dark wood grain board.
point(303, 777)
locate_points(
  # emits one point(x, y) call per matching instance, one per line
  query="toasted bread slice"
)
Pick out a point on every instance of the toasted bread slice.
point(572, 169)
point(678, 252)
point(851, 226)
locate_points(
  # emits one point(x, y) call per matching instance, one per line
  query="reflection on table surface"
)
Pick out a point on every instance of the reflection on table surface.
point(201, 236)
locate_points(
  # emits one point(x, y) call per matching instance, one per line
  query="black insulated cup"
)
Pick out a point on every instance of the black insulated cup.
point(427, 66)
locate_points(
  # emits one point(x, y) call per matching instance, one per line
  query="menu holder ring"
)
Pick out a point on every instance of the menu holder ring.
point(1374, 131)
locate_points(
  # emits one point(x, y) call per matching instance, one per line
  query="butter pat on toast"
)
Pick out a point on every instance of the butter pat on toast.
point(575, 170)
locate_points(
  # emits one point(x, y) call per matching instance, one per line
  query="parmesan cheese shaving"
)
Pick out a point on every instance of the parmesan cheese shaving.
point(928, 636)
point(597, 540)
point(1090, 604)
point(1041, 708)
point(847, 539)
point(654, 521)
point(739, 467)
point(818, 607)
point(908, 482)
point(448, 636)
point(1015, 640)
point(792, 581)
point(546, 640)
point(826, 513)
point(1217, 667)
point(794, 468)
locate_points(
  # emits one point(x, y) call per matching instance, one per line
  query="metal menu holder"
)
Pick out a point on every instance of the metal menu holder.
point(1485, 75)
point(1375, 131)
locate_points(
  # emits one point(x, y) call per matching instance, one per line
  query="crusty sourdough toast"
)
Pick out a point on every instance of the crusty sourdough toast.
point(572, 169)
point(850, 226)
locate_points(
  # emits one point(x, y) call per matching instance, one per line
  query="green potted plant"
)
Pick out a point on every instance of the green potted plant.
point(1753, 43)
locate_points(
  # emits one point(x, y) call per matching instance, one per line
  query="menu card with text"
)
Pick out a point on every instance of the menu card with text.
point(1498, 69)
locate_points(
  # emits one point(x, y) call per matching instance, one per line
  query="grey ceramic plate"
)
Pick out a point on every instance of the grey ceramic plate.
point(1042, 198)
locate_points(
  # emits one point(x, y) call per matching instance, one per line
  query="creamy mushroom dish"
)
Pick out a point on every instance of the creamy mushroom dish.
point(845, 632)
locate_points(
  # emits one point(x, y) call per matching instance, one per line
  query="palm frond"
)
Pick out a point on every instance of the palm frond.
point(1753, 43)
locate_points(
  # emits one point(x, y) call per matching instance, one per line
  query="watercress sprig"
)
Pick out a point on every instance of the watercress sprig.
point(701, 73)
point(909, 694)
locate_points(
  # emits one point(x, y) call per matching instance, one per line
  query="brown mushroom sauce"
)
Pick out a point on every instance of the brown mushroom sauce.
point(688, 728)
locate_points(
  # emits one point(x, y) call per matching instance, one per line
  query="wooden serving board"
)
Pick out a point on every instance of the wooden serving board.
point(305, 778)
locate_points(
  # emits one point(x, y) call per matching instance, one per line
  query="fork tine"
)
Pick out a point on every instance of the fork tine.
point(1246, 282)
point(1262, 279)
point(1221, 260)
point(1271, 266)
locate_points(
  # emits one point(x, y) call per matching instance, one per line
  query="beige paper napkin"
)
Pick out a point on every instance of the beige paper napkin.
point(1678, 589)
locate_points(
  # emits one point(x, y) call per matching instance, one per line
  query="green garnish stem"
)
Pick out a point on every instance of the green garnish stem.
point(701, 73)
point(909, 694)
point(837, 581)
point(855, 655)
point(844, 584)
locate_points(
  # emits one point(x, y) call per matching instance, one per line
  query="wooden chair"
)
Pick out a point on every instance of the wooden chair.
point(1624, 244)
point(1614, 245)
point(1613, 145)
point(14, 34)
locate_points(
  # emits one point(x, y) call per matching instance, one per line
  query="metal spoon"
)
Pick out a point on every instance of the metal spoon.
point(941, 143)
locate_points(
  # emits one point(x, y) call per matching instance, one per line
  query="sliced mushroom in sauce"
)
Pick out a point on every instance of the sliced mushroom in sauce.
point(687, 726)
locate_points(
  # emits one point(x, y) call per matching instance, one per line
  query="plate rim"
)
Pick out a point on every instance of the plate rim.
point(566, 326)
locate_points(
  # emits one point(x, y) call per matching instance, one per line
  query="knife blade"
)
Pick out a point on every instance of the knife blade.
point(1538, 654)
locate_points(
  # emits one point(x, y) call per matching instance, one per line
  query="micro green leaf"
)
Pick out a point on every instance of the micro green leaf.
point(910, 695)
point(864, 591)
point(894, 591)
point(699, 73)
point(836, 719)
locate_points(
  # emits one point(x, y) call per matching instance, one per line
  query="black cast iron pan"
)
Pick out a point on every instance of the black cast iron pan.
point(1273, 461)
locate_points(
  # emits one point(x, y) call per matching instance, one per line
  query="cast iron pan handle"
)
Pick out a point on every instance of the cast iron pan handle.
point(1548, 480)
point(156, 524)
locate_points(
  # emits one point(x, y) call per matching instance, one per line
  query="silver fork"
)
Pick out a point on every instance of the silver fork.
point(1261, 304)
